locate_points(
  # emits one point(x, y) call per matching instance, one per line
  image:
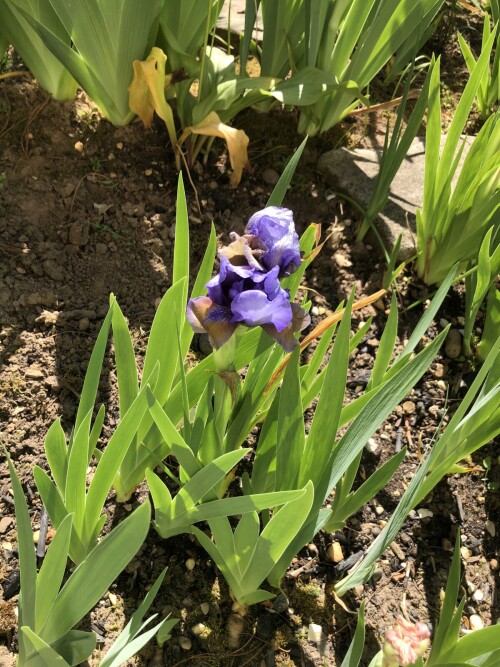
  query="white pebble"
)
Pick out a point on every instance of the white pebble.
point(424, 513)
point(205, 607)
point(478, 595)
point(465, 553)
point(199, 629)
point(190, 564)
point(371, 446)
point(315, 632)
point(476, 622)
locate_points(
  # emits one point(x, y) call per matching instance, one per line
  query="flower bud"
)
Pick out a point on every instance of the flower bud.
point(405, 643)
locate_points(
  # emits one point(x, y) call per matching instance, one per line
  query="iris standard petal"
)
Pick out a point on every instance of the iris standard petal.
point(275, 228)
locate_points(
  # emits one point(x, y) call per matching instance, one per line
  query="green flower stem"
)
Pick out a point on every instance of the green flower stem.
point(225, 388)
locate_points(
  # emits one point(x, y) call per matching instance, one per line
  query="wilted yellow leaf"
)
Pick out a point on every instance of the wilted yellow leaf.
point(146, 93)
point(236, 140)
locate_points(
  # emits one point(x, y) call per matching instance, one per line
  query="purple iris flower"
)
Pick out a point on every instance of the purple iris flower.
point(269, 240)
point(275, 229)
point(247, 289)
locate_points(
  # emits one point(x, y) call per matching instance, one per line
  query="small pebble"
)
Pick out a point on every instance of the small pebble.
point(453, 345)
point(79, 147)
point(33, 374)
point(205, 608)
point(185, 643)
point(471, 587)
point(478, 595)
point(148, 172)
point(490, 527)
point(84, 324)
point(270, 176)
point(371, 446)
point(315, 632)
point(465, 553)
point(190, 564)
point(112, 598)
point(434, 411)
point(476, 622)
point(409, 407)
point(5, 523)
point(359, 590)
point(119, 145)
point(379, 509)
point(334, 553)
point(397, 551)
point(438, 371)
point(423, 513)
point(494, 564)
point(341, 260)
point(199, 629)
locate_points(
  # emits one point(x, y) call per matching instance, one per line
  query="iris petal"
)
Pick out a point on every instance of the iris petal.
point(253, 308)
point(275, 228)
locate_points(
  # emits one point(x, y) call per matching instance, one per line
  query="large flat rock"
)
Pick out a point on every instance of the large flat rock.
point(353, 173)
point(232, 18)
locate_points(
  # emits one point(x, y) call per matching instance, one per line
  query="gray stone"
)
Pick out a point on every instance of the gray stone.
point(353, 172)
point(232, 18)
point(79, 233)
point(53, 270)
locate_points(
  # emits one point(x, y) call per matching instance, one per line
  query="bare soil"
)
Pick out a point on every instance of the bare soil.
point(77, 224)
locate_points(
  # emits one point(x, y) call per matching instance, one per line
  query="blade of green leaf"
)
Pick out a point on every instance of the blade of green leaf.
point(126, 367)
point(163, 333)
point(181, 244)
point(114, 654)
point(75, 646)
point(278, 194)
point(443, 639)
point(94, 575)
point(111, 459)
point(290, 430)
point(323, 431)
point(46, 655)
point(176, 443)
point(93, 374)
point(355, 651)
point(277, 535)
point(27, 560)
point(52, 572)
point(56, 451)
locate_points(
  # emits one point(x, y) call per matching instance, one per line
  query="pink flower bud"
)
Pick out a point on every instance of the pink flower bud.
point(405, 643)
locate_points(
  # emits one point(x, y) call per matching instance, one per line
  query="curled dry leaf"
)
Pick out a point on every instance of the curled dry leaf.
point(236, 140)
point(146, 93)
